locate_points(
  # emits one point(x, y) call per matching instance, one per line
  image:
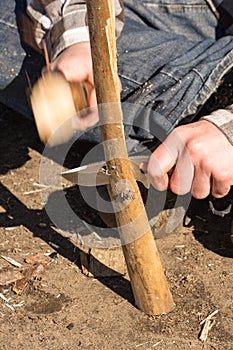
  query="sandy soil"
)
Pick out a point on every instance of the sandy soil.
point(62, 309)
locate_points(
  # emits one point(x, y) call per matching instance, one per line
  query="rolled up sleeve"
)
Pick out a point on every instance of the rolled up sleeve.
point(223, 119)
point(63, 23)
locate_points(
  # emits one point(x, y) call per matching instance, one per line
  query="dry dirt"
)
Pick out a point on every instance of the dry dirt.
point(62, 309)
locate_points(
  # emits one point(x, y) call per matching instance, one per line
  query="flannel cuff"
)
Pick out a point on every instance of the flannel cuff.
point(223, 119)
point(68, 31)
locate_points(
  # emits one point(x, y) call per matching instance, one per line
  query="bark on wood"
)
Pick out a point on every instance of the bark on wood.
point(150, 287)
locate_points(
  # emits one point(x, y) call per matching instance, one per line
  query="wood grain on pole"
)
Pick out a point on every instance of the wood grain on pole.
point(149, 284)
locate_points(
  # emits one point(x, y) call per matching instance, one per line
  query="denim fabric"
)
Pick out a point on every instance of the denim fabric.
point(171, 58)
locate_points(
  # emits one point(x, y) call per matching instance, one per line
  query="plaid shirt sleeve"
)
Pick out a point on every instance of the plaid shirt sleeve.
point(223, 119)
point(62, 23)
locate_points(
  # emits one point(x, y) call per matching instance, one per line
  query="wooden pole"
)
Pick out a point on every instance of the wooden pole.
point(149, 285)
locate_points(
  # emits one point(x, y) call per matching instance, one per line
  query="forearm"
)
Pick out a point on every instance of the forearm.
point(223, 119)
point(62, 25)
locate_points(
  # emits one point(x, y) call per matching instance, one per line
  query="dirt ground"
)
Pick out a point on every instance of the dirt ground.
point(62, 309)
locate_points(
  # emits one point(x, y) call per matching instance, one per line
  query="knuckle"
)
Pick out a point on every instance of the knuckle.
point(175, 188)
point(207, 164)
point(218, 195)
point(178, 189)
point(157, 183)
point(200, 194)
point(200, 190)
point(223, 176)
point(195, 147)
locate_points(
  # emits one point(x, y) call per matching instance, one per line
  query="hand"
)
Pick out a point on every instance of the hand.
point(201, 158)
point(76, 65)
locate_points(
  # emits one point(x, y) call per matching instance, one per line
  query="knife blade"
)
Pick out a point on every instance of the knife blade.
point(96, 174)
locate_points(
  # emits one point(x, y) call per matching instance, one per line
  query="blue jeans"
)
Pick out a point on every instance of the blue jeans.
point(171, 57)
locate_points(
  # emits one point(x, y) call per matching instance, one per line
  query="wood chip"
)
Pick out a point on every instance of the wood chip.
point(30, 273)
point(38, 258)
point(9, 275)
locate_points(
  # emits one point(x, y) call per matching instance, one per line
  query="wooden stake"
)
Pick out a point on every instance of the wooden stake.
point(149, 285)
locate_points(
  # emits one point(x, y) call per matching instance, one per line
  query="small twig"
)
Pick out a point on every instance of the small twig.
point(207, 325)
point(11, 261)
point(156, 344)
point(209, 317)
point(200, 218)
point(19, 305)
point(153, 346)
point(40, 185)
point(10, 307)
point(205, 330)
point(4, 298)
point(178, 258)
point(138, 345)
point(54, 245)
point(34, 191)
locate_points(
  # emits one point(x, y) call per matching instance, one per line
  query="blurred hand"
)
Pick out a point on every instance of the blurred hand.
point(76, 65)
point(201, 158)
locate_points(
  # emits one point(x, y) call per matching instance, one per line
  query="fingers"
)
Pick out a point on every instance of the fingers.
point(158, 167)
point(221, 185)
point(170, 167)
point(213, 177)
point(182, 176)
point(201, 158)
point(201, 186)
point(185, 177)
point(220, 192)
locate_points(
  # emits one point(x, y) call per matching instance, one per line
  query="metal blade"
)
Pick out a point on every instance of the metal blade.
point(96, 174)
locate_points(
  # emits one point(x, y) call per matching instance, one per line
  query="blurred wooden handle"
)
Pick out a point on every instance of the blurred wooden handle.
point(80, 93)
point(54, 103)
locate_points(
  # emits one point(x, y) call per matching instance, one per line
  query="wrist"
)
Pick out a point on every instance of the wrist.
point(223, 120)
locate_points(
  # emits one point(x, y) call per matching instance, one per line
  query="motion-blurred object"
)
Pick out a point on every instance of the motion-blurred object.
point(55, 103)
